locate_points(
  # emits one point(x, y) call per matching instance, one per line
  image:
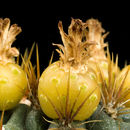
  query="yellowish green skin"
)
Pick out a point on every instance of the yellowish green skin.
point(13, 84)
point(126, 84)
point(101, 67)
point(101, 70)
point(53, 86)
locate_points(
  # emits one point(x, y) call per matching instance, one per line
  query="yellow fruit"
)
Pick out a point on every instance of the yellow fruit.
point(13, 80)
point(13, 83)
point(125, 74)
point(67, 88)
point(53, 88)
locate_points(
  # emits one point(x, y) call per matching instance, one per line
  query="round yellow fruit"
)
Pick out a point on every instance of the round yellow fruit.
point(52, 92)
point(13, 84)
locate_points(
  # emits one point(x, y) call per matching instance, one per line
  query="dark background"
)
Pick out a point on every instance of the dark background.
point(39, 24)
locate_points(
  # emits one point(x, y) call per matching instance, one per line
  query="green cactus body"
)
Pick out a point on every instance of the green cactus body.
point(35, 121)
point(107, 123)
point(17, 120)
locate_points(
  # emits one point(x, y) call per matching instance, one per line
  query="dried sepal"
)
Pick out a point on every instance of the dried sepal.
point(84, 40)
point(50, 62)
point(7, 37)
point(96, 33)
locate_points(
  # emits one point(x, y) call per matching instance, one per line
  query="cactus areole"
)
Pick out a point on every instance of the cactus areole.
point(13, 81)
point(67, 89)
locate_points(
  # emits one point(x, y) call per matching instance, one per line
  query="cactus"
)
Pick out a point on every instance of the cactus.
point(67, 95)
point(108, 123)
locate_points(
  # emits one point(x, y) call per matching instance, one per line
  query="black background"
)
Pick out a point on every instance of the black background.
point(39, 24)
